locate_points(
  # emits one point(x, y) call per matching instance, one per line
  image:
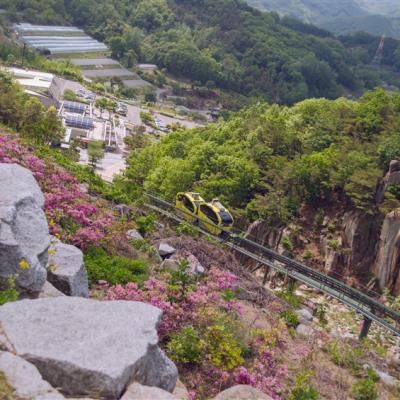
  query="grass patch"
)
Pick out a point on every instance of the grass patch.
point(345, 355)
point(291, 298)
point(291, 319)
point(114, 269)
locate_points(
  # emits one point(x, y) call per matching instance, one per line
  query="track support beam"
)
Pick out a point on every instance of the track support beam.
point(365, 328)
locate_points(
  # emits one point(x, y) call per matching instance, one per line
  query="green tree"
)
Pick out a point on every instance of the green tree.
point(118, 47)
point(95, 152)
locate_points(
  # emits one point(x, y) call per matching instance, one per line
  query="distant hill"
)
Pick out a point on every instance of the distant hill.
point(229, 46)
point(311, 11)
point(373, 24)
point(376, 17)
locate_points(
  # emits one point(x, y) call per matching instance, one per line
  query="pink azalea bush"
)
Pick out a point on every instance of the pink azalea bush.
point(71, 216)
point(202, 302)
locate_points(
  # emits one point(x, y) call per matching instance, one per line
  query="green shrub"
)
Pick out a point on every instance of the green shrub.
point(345, 355)
point(114, 269)
point(146, 223)
point(303, 390)
point(186, 346)
point(223, 349)
point(287, 243)
point(291, 319)
point(334, 244)
point(290, 298)
point(145, 246)
point(70, 95)
point(180, 281)
point(365, 389)
point(186, 229)
point(8, 291)
point(320, 313)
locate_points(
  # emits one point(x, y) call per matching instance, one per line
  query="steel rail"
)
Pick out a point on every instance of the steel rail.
point(351, 297)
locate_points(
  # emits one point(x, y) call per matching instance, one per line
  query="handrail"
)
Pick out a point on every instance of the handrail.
point(346, 294)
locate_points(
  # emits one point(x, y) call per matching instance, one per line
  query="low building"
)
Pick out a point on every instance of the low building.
point(148, 67)
point(35, 83)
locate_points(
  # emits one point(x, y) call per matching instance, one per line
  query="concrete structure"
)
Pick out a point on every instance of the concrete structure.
point(35, 83)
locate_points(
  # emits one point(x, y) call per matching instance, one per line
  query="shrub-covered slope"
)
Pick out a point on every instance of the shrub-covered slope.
point(301, 168)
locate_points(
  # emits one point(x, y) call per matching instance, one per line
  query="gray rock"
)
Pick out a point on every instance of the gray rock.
point(305, 330)
point(87, 347)
point(84, 188)
point(25, 379)
point(180, 391)
point(170, 265)
point(49, 291)
point(242, 392)
point(387, 379)
point(24, 233)
point(195, 266)
point(136, 391)
point(66, 270)
point(305, 317)
point(165, 250)
point(158, 370)
point(159, 226)
point(134, 234)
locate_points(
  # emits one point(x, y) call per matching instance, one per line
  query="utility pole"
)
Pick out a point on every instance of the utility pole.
point(23, 55)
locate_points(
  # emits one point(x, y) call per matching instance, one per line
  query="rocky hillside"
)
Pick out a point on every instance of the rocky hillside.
point(224, 331)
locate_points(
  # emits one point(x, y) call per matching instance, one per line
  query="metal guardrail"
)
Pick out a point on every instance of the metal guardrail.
point(354, 298)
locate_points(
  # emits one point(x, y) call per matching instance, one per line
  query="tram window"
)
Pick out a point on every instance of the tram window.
point(209, 212)
point(188, 204)
point(226, 218)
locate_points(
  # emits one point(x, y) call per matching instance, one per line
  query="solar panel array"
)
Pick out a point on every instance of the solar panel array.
point(74, 107)
point(79, 122)
point(58, 44)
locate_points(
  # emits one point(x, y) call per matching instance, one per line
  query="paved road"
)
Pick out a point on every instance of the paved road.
point(112, 164)
point(133, 116)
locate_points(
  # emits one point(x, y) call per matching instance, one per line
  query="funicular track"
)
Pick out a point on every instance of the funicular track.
point(371, 309)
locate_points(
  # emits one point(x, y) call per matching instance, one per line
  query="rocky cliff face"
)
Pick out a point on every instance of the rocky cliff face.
point(387, 264)
point(361, 247)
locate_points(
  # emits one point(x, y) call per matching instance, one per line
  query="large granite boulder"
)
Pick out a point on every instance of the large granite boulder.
point(136, 391)
point(24, 233)
point(66, 271)
point(25, 379)
point(87, 347)
point(242, 392)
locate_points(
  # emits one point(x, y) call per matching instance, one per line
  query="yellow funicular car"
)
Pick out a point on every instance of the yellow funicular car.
point(213, 216)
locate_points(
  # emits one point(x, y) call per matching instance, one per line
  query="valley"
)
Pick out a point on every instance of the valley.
point(199, 200)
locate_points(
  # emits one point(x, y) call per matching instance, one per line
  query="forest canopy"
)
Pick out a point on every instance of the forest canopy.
point(271, 160)
point(225, 44)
